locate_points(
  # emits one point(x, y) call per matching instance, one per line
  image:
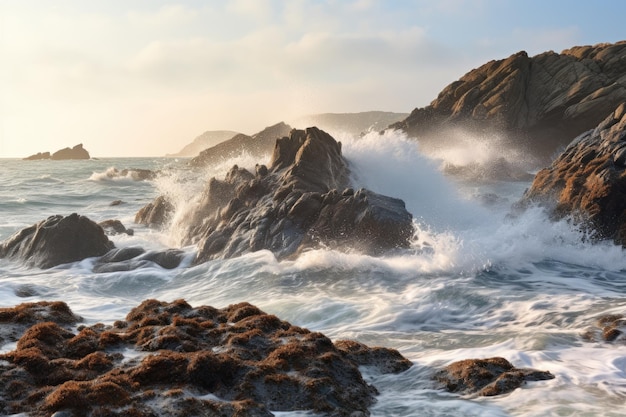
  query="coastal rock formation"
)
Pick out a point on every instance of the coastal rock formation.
point(131, 258)
point(77, 152)
point(257, 145)
point(57, 240)
point(303, 200)
point(172, 359)
point(543, 101)
point(115, 227)
point(486, 377)
point(135, 174)
point(588, 180)
point(37, 156)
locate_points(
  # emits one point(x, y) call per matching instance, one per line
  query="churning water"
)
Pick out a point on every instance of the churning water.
point(477, 282)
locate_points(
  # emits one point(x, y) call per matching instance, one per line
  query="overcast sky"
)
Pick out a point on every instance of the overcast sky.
point(144, 77)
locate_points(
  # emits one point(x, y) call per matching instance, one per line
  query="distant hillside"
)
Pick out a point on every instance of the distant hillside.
point(258, 144)
point(206, 140)
point(540, 103)
point(351, 123)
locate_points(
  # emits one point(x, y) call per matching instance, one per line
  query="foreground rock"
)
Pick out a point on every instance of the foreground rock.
point(57, 240)
point(588, 180)
point(303, 200)
point(172, 359)
point(541, 101)
point(256, 145)
point(77, 152)
point(487, 377)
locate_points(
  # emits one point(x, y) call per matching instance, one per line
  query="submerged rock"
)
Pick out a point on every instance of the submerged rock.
point(487, 377)
point(303, 200)
point(188, 361)
point(608, 328)
point(57, 240)
point(588, 180)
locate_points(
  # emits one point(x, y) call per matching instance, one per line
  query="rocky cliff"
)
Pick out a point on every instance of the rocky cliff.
point(588, 180)
point(542, 101)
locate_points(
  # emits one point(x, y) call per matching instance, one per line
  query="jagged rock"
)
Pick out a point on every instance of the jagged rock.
point(115, 227)
point(77, 152)
point(156, 213)
point(57, 240)
point(543, 101)
point(257, 145)
point(486, 377)
point(588, 180)
point(302, 201)
point(195, 361)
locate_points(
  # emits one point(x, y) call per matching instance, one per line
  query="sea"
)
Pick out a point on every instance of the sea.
point(480, 279)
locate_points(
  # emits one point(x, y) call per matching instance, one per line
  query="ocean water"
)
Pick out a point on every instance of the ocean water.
point(477, 281)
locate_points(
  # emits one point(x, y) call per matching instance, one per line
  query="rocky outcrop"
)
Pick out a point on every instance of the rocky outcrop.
point(38, 156)
point(303, 200)
point(115, 227)
point(486, 377)
point(57, 240)
point(206, 140)
point(588, 180)
point(77, 152)
point(541, 101)
point(256, 145)
point(156, 213)
point(172, 359)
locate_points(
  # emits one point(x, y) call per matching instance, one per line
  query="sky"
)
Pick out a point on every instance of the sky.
point(145, 77)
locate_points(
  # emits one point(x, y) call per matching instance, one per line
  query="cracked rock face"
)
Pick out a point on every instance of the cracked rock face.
point(172, 359)
point(302, 200)
point(544, 100)
point(588, 180)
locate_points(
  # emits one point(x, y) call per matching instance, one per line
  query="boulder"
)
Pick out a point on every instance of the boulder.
point(486, 377)
point(155, 214)
point(57, 240)
point(185, 361)
point(587, 182)
point(77, 152)
point(303, 200)
point(538, 102)
point(115, 227)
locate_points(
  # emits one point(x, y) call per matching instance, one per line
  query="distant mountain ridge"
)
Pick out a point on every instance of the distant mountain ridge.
point(206, 140)
point(542, 101)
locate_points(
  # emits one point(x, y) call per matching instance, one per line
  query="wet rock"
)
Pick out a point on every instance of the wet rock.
point(538, 102)
point(135, 174)
point(57, 240)
point(156, 213)
point(608, 328)
point(486, 377)
point(115, 227)
point(587, 182)
point(302, 201)
point(131, 258)
point(116, 203)
point(196, 361)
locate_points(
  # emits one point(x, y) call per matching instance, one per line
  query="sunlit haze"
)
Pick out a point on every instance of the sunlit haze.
point(143, 78)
